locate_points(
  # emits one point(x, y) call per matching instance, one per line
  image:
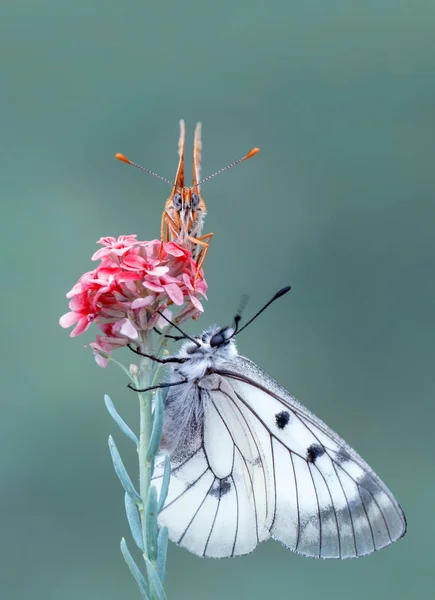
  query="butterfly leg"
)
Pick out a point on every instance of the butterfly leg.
point(164, 227)
point(203, 241)
point(168, 229)
point(177, 338)
point(163, 361)
point(157, 387)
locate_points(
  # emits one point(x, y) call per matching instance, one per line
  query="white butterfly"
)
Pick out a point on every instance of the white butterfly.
point(249, 462)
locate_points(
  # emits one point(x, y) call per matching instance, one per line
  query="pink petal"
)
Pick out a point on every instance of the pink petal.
point(140, 302)
point(128, 329)
point(100, 360)
point(174, 293)
point(130, 286)
point(68, 319)
point(196, 303)
point(81, 327)
point(187, 282)
point(111, 313)
point(158, 271)
point(100, 253)
point(106, 241)
point(174, 249)
point(152, 285)
point(161, 322)
point(133, 261)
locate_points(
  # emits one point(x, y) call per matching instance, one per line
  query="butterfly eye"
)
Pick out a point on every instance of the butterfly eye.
point(217, 340)
point(178, 201)
point(195, 200)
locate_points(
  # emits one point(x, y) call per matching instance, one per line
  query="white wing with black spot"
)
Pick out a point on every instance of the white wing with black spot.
point(258, 464)
point(218, 498)
point(327, 502)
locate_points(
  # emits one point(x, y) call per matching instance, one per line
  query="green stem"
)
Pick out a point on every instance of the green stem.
point(144, 466)
point(146, 423)
point(147, 373)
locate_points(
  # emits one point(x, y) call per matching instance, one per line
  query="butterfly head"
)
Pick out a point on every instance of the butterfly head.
point(186, 201)
point(215, 343)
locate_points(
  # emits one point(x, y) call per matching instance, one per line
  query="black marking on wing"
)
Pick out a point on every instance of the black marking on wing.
point(222, 488)
point(330, 452)
point(282, 418)
point(343, 454)
point(315, 451)
point(371, 487)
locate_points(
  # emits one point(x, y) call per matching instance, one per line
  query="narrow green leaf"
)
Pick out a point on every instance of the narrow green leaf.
point(154, 580)
point(165, 483)
point(151, 522)
point(162, 548)
point(119, 421)
point(134, 521)
point(134, 569)
point(122, 473)
point(156, 432)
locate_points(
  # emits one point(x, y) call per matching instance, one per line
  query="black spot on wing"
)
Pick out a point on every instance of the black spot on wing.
point(282, 418)
point(314, 452)
point(342, 455)
point(221, 488)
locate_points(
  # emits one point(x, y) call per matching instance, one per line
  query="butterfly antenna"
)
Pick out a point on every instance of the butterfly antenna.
point(180, 330)
point(250, 154)
point(275, 297)
point(123, 158)
point(243, 302)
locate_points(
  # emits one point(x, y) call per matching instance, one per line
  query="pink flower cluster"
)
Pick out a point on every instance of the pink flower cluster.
point(133, 280)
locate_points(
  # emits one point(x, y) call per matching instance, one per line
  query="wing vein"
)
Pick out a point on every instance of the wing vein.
point(237, 517)
point(246, 466)
point(348, 508)
point(298, 535)
point(333, 507)
point(214, 520)
point(185, 490)
point(318, 510)
point(255, 442)
point(197, 511)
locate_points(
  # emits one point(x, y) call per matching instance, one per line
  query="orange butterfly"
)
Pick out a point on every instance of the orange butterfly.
point(185, 210)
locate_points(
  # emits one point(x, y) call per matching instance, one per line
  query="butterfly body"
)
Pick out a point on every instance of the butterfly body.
point(185, 210)
point(183, 217)
point(249, 462)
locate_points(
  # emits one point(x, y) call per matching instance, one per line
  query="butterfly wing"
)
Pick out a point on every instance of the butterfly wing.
point(197, 148)
point(325, 501)
point(179, 178)
point(217, 504)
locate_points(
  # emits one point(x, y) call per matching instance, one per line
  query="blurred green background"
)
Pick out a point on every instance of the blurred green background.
point(340, 97)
